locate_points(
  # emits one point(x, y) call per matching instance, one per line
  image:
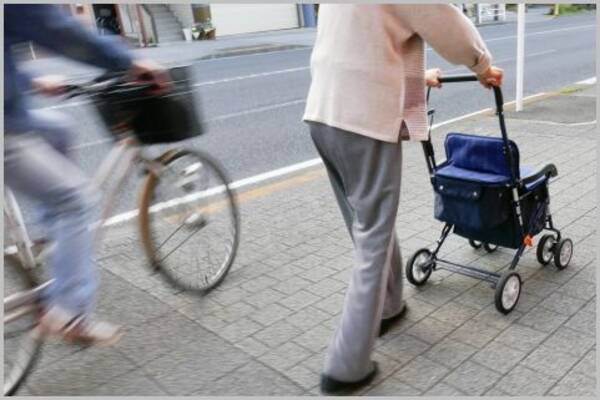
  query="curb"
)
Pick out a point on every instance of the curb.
point(245, 50)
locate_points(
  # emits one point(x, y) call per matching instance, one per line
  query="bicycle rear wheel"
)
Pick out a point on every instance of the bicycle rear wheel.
point(21, 345)
point(189, 220)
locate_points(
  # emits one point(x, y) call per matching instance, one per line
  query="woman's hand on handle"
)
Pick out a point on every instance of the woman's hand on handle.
point(432, 77)
point(49, 85)
point(491, 77)
point(146, 71)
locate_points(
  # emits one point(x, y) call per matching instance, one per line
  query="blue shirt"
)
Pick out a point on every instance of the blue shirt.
point(52, 28)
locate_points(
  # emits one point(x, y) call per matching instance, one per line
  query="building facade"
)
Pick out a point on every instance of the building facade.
point(155, 23)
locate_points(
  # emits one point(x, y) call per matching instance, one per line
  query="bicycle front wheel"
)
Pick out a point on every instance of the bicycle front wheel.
point(21, 344)
point(189, 220)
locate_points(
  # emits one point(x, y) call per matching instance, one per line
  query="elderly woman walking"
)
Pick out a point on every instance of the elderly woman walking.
point(368, 95)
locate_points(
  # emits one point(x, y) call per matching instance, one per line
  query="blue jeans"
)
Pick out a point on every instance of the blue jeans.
point(36, 164)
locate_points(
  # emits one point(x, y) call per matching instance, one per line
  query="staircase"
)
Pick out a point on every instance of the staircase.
point(168, 27)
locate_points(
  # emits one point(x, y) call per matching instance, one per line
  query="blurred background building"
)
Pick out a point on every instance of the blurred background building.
point(158, 24)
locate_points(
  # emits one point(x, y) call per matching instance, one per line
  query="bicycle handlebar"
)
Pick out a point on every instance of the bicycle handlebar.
point(111, 81)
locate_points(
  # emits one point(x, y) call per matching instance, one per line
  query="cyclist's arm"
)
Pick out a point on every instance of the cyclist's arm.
point(50, 27)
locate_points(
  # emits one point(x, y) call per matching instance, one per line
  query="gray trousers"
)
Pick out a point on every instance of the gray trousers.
point(365, 177)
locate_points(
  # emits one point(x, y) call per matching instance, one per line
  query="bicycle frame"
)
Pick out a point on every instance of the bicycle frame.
point(118, 164)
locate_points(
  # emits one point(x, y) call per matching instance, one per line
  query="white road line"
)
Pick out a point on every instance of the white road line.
point(562, 123)
point(256, 110)
point(589, 81)
point(251, 76)
point(575, 28)
point(126, 216)
point(533, 34)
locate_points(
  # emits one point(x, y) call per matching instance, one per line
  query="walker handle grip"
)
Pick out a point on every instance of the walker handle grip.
point(473, 78)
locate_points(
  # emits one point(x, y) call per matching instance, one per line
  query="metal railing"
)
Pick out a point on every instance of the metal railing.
point(490, 12)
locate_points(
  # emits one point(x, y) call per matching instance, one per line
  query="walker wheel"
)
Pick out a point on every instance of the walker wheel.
point(490, 248)
point(563, 251)
point(419, 267)
point(475, 244)
point(545, 249)
point(508, 290)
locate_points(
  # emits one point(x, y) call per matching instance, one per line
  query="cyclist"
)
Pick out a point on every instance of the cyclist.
point(37, 163)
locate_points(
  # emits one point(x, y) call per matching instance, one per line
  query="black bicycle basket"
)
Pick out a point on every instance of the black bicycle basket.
point(171, 117)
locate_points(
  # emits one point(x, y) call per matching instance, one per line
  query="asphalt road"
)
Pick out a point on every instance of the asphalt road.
point(253, 104)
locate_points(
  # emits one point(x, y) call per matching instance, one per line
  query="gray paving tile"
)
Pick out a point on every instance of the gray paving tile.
point(582, 289)
point(239, 330)
point(326, 287)
point(549, 361)
point(307, 318)
point(252, 346)
point(540, 287)
point(78, 372)
point(135, 383)
point(575, 385)
point(421, 373)
point(521, 337)
point(430, 330)
point(443, 389)
point(302, 376)
point(418, 309)
point(299, 300)
point(523, 381)
point(475, 333)
point(195, 365)
point(157, 337)
point(315, 362)
point(436, 295)
point(252, 378)
point(332, 304)
point(285, 356)
point(403, 347)
point(454, 314)
point(229, 296)
point(584, 322)
point(315, 339)
point(472, 378)
point(258, 284)
point(393, 387)
point(570, 341)
point(269, 314)
point(543, 319)
point(587, 365)
point(499, 357)
point(277, 334)
point(563, 304)
point(496, 392)
point(450, 352)
point(492, 317)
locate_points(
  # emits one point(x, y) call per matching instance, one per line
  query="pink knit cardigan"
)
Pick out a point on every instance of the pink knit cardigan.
point(368, 65)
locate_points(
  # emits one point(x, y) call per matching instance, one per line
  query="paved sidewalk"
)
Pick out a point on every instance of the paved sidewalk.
point(264, 331)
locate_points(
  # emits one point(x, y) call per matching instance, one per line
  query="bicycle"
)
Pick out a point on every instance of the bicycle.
point(185, 196)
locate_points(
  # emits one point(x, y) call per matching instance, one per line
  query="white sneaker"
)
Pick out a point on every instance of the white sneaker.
point(56, 322)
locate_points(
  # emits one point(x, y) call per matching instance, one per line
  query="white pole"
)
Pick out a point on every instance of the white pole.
point(520, 54)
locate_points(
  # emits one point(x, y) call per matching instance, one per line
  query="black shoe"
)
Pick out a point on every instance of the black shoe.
point(388, 323)
point(330, 386)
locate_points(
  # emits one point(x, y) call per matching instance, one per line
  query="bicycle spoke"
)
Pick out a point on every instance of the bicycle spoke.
point(181, 244)
point(171, 235)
